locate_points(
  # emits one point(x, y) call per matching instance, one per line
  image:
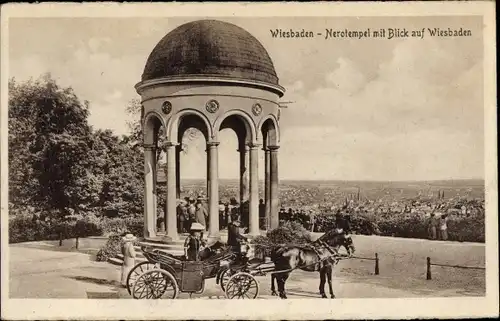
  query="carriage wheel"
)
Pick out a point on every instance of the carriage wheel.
point(242, 285)
point(224, 277)
point(136, 272)
point(154, 284)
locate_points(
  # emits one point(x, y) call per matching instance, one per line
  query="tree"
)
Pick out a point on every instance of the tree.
point(60, 142)
point(122, 189)
point(22, 113)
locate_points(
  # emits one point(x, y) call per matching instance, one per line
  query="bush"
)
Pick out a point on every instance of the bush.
point(111, 249)
point(23, 228)
point(406, 225)
point(288, 233)
point(460, 228)
point(134, 225)
point(83, 226)
point(410, 225)
point(363, 224)
point(360, 224)
point(467, 229)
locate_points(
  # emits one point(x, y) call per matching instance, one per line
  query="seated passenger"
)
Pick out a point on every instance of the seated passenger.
point(193, 242)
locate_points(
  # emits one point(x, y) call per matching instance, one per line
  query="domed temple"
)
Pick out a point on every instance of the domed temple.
point(210, 75)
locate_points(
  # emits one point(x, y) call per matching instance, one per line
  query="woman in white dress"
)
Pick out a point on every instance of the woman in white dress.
point(129, 256)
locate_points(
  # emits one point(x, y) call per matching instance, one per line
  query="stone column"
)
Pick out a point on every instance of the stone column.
point(154, 166)
point(274, 186)
point(254, 190)
point(213, 189)
point(171, 233)
point(178, 151)
point(243, 150)
point(149, 224)
point(267, 187)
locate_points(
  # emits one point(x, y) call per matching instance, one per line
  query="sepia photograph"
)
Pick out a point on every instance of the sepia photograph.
point(168, 161)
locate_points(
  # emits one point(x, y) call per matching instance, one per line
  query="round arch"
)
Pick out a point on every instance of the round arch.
point(150, 127)
point(245, 118)
point(173, 124)
point(269, 126)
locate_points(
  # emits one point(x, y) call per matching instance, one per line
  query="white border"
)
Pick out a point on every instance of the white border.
point(275, 309)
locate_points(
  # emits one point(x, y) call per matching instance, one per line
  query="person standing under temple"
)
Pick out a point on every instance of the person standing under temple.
point(262, 214)
point(191, 209)
point(201, 215)
point(180, 216)
point(222, 214)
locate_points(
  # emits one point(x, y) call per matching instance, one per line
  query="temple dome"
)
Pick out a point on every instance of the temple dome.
point(210, 48)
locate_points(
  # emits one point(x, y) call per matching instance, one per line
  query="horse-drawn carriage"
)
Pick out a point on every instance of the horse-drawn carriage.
point(317, 256)
point(165, 275)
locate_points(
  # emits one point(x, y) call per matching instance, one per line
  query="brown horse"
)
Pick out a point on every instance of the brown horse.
point(318, 256)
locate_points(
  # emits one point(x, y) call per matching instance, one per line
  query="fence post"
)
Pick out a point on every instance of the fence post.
point(376, 264)
point(429, 276)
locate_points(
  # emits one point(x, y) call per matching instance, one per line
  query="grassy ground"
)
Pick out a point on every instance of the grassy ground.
point(402, 265)
point(43, 270)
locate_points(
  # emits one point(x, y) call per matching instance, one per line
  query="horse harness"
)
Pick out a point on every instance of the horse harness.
point(325, 258)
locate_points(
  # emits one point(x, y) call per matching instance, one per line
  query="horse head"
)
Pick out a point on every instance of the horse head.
point(337, 238)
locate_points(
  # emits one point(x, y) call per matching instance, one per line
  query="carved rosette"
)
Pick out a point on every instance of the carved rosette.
point(257, 109)
point(166, 107)
point(212, 106)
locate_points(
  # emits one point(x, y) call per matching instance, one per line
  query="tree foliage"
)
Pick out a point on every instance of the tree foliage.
point(61, 147)
point(62, 169)
point(58, 162)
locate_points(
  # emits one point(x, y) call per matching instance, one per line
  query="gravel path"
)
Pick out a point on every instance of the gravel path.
point(42, 271)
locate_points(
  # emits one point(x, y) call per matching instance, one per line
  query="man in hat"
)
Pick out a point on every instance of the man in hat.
point(201, 214)
point(234, 238)
point(129, 255)
point(341, 222)
point(194, 242)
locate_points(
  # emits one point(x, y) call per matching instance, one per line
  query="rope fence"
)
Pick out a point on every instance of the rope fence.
point(377, 268)
point(429, 264)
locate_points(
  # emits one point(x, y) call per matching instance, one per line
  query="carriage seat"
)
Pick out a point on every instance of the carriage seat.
point(165, 253)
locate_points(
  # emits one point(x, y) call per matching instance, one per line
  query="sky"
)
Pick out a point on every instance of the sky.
point(364, 109)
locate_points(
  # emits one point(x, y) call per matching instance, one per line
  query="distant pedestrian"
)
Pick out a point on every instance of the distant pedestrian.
point(433, 226)
point(443, 227)
point(129, 256)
